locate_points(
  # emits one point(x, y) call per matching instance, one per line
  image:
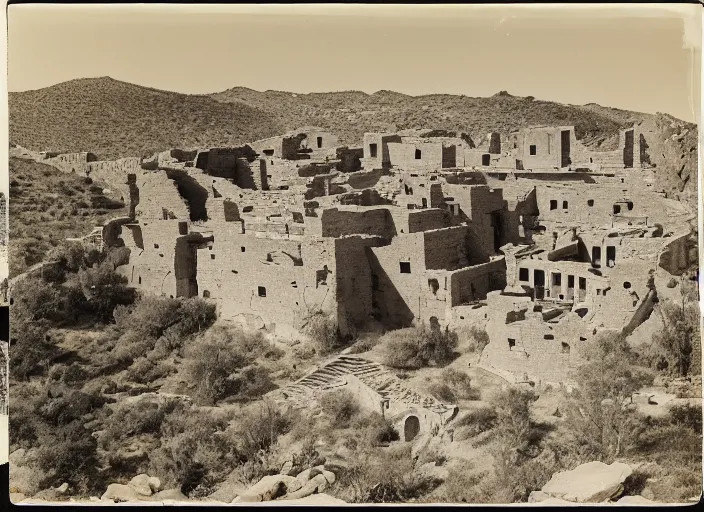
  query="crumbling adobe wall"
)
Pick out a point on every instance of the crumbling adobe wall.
point(675, 256)
point(475, 282)
point(373, 222)
point(416, 156)
point(427, 219)
point(192, 192)
point(353, 280)
point(477, 202)
point(158, 194)
point(397, 292)
point(350, 159)
point(538, 351)
point(114, 173)
point(152, 255)
point(548, 146)
point(382, 159)
point(447, 248)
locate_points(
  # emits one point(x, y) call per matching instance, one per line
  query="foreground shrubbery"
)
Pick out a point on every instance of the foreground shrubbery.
point(419, 347)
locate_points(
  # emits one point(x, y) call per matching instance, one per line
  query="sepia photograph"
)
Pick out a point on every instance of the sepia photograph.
point(331, 254)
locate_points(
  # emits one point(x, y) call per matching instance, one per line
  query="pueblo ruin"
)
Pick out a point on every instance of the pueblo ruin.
point(537, 237)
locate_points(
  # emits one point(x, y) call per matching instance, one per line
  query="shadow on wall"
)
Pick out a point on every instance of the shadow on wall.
point(388, 304)
point(194, 195)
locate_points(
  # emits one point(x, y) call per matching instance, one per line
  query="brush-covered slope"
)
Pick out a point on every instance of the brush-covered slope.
point(116, 119)
point(672, 143)
point(47, 206)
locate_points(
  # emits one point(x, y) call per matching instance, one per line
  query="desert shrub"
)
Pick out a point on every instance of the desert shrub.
point(324, 332)
point(464, 486)
point(687, 415)
point(144, 371)
point(256, 428)
point(194, 450)
point(598, 415)
point(375, 429)
point(70, 456)
point(513, 415)
point(383, 477)
point(128, 420)
point(223, 363)
point(69, 406)
point(479, 339)
point(419, 347)
point(479, 420)
point(74, 375)
point(454, 385)
point(32, 351)
point(340, 407)
point(364, 345)
point(104, 289)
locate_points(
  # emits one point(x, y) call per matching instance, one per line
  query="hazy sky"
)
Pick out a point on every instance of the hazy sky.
point(576, 55)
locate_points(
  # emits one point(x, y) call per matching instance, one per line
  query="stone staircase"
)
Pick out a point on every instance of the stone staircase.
point(377, 377)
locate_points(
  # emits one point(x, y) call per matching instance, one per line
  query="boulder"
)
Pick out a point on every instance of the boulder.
point(170, 494)
point(316, 484)
point(228, 490)
point(317, 499)
point(145, 485)
point(121, 492)
point(537, 496)
point(593, 482)
point(635, 500)
point(329, 475)
point(269, 488)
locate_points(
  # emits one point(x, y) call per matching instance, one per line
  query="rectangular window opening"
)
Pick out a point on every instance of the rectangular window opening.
point(261, 291)
point(418, 154)
point(553, 204)
point(320, 142)
point(533, 150)
point(523, 274)
point(405, 267)
point(372, 150)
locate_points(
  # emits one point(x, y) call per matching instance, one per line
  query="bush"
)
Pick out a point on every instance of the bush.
point(479, 420)
point(218, 362)
point(104, 290)
point(324, 332)
point(419, 347)
point(340, 407)
point(479, 339)
point(128, 420)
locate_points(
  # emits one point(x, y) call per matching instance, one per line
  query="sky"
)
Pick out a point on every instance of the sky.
point(642, 58)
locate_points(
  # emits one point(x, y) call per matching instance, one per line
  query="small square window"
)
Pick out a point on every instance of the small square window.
point(511, 343)
point(261, 291)
point(156, 246)
point(242, 249)
point(590, 202)
point(553, 204)
point(533, 150)
point(564, 205)
point(212, 256)
point(418, 154)
point(523, 274)
point(405, 267)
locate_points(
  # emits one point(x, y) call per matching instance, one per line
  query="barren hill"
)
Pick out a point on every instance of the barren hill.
point(115, 119)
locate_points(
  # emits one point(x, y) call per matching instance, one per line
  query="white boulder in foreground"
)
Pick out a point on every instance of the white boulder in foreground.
point(593, 482)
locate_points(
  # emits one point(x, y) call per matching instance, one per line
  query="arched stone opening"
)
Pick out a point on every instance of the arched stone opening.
point(411, 428)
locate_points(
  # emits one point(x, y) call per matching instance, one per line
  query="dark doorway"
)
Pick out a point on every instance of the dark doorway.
point(411, 427)
point(565, 160)
point(496, 224)
point(628, 149)
point(610, 256)
point(372, 150)
point(486, 160)
point(596, 256)
point(418, 154)
point(320, 142)
point(539, 284)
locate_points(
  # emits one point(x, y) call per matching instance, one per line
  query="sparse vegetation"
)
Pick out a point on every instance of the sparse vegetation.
point(419, 347)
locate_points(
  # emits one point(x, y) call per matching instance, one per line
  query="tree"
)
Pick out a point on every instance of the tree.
point(679, 337)
point(104, 289)
point(600, 413)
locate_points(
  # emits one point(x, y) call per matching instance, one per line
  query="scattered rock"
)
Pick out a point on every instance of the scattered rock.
point(594, 482)
point(287, 467)
point(62, 488)
point(316, 484)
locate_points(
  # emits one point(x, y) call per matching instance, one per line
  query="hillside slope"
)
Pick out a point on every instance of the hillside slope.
point(115, 119)
point(47, 206)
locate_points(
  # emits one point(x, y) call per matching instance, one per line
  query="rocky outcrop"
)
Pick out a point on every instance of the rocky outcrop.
point(140, 488)
point(593, 482)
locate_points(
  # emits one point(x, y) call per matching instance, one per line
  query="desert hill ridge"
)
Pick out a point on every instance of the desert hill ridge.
point(115, 119)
